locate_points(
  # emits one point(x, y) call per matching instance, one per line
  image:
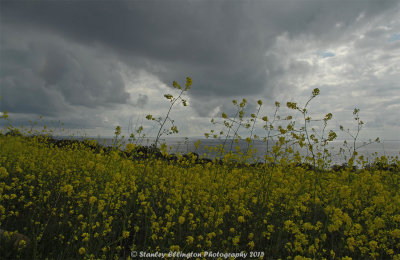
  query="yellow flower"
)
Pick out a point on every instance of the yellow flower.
point(395, 233)
point(227, 208)
point(236, 240)
point(181, 220)
point(118, 130)
point(241, 219)
point(68, 189)
point(211, 235)
point(85, 237)
point(251, 244)
point(129, 147)
point(3, 173)
point(92, 200)
point(308, 226)
point(189, 240)
point(125, 234)
point(101, 205)
point(82, 250)
point(174, 248)
point(188, 83)
point(373, 245)
point(21, 244)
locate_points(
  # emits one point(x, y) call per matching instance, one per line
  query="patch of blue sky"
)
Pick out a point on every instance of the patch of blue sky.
point(327, 54)
point(395, 37)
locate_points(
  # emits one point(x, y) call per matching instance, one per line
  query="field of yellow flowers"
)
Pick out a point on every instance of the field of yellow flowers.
point(74, 203)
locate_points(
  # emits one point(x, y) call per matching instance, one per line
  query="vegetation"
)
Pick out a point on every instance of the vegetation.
point(70, 199)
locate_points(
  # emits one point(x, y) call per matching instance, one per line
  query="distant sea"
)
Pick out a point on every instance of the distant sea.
point(390, 149)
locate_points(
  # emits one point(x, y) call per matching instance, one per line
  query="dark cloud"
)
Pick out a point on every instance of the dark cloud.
point(47, 75)
point(141, 101)
point(68, 54)
point(220, 44)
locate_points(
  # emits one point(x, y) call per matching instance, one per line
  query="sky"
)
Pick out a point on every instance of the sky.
point(95, 65)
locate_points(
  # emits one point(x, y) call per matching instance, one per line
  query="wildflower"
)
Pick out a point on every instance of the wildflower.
point(251, 244)
point(241, 219)
point(308, 226)
point(3, 173)
point(85, 237)
point(92, 200)
point(211, 235)
point(288, 224)
point(125, 234)
point(373, 245)
point(395, 233)
point(174, 248)
point(129, 147)
point(315, 92)
point(188, 83)
point(82, 250)
point(118, 130)
point(21, 243)
point(351, 243)
point(181, 220)
point(101, 205)
point(176, 85)
point(68, 189)
point(168, 96)
point(236, 240)
point(189, 240)
point(227, 208)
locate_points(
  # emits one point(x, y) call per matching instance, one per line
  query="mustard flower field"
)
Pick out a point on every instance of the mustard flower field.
point(72, 202)
point(80, 201)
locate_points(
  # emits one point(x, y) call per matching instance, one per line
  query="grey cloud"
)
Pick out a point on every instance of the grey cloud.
point(47, 75)
point(229, 48)
point(141, 101)
point(221, 44)
point(28, 94)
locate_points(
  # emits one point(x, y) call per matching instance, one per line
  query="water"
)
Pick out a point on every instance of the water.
point(175, 144)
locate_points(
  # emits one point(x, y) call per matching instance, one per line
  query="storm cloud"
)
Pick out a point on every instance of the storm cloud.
point(59, 56)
